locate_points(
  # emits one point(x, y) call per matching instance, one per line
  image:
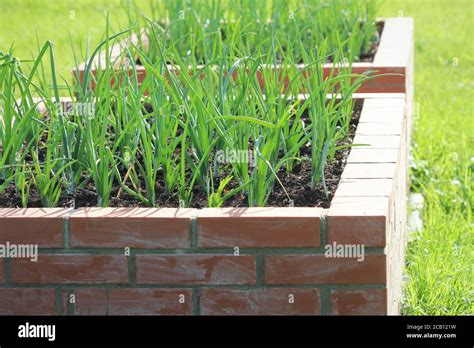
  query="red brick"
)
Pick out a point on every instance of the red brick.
point(274, 301)
point(67, 268)
point(358, 302)
point(396, 42)
point(196, 269)
point(17, 301)
point(372, 128)
point(369, 171)
point(358, 220)
point(384, 84)
point(373, 156)
point(385, 102)
point(318, 269)
point(41, 226)
point(364, 188)
point(377, 141)
point(113, 301)
point(132, 227)
point(393, 116)
point(259, 227)
point(367, 230)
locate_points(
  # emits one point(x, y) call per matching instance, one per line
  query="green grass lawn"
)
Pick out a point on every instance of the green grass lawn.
point(439, 271)
point(59, 22)
point(440, 257)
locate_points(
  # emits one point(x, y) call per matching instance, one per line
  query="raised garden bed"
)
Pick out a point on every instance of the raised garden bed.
point(394, 55)
point(152, 209)
point(225, 261)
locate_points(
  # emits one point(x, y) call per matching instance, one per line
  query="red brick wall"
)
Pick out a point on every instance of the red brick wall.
point(183, 261)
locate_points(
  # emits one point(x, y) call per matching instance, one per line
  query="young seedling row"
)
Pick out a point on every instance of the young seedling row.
point(165, 141)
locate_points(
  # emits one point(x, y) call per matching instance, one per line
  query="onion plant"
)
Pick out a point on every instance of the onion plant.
point(199, 28)
point(226, 117)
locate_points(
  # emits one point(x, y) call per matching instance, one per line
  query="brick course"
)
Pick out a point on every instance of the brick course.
point(259, 227)
point(110, 301)
point(358, 302)
point(130, 227)
point(274, 301)
point(17, 301)
point(67, 268)
point(196, 269)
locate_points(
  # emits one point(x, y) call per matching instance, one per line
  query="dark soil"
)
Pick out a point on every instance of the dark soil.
point(297, 184)
point(368, 57)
